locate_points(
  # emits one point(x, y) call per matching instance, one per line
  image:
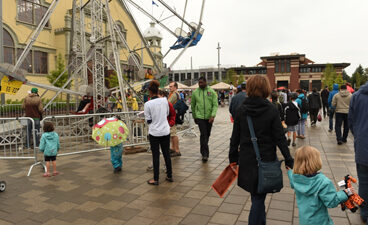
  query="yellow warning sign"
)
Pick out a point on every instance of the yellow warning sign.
point(10, 87)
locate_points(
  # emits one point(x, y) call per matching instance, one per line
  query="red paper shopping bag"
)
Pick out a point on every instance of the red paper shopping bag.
point(226, 178)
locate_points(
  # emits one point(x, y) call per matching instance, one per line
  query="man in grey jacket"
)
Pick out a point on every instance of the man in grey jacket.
point(341, 102)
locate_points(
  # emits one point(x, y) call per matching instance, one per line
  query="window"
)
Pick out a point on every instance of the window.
point(27, 63)
point(209, 76)
point(182, 76)
point(123, 31)
point(189, 76)
point(31, 11)
point(196, 75)
point(217, 76)
point(288, 66)
point(9, 50)
point(40, 62)
point(176, 77)
point(171, 77)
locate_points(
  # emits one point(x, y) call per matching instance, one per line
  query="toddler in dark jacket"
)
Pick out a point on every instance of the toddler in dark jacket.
point(292, 116)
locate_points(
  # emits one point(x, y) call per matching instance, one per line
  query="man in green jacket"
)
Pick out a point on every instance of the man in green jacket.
point(204, 108)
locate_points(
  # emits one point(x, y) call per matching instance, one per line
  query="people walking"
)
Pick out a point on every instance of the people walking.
point(292, 118)
point(304, 109)
point(314, 101)
point(313, 190)
point(156, 111)
point(32, 105)
point(204, 108)
point(341, 103)
point(174, 97)
point(331, 114)
point(237, 100)
point(324, 96)
point(358, 125)
point(268, 128)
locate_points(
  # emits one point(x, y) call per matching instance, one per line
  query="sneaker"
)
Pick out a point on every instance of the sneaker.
point(344, 141)
point(339, 142)
point(204, 159)
point(293, 144)
point(46, 175)
point(150, 168)
point(117, 169)
point(55, 173)
point(329, 130)
point(289, 141)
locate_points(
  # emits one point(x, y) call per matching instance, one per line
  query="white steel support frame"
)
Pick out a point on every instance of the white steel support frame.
point(117, 56)
point(97, 24)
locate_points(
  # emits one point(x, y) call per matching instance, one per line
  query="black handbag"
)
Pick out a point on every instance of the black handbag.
point(269, 173)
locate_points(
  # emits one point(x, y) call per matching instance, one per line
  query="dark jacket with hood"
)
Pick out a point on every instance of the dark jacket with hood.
point(236, 101)
point(358, 123)
point(332, 94)
point(270, 134)
point(292, 114)
point(324, 95)
point(314, 100)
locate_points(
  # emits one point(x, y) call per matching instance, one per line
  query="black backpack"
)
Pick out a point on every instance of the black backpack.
point(305, 106)
point(180, 109)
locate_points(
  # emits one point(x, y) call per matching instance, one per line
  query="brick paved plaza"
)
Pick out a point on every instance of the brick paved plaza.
point(87, 192)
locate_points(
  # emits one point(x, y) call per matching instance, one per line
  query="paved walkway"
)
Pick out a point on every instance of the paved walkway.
point(87, 192)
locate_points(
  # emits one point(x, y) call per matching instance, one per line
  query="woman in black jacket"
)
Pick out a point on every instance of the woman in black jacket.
point(269, 132)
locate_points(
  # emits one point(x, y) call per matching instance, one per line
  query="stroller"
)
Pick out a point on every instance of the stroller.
point(2, 186)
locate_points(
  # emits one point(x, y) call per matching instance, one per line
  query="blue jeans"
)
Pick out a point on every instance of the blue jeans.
point(362, 171)
point(301, 127)
point(341, 118)
point(30, 133)
point(257, 214)
point(332, 112)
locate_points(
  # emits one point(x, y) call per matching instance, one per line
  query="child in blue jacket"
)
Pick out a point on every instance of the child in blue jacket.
point(50, 145)
point(314, 191)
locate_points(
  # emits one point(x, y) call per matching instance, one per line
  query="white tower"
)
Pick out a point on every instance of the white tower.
point(153, 37)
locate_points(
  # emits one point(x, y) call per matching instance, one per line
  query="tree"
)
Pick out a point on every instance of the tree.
point(241, 79)
point(329, 76)
point(60, 67)
point(113, 80)
point(359, 77)
point(345, 76)
point(231, 76)
point(214, 82)
point(339, 80)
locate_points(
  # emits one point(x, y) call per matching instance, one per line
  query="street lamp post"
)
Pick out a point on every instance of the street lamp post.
point(218, 61)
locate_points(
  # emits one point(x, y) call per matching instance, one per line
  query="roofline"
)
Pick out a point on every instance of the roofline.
point(282, 56)
point(344, 65)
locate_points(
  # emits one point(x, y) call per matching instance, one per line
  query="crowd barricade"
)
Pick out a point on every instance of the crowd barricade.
point(188, 127)
point(19, 138)
point(75, 131)
point(56, 108)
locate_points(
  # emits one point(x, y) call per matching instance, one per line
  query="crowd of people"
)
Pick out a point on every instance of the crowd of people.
point(278, 118)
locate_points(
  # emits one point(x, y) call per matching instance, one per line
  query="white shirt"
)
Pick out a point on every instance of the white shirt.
point(156, 111)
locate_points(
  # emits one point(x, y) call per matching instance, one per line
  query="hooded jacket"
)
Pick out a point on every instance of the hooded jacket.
point(32, 105)
point(314, 195)
point(324, 95)
point(270, 134)
point(341, 101)
point(299, 101)
point(204, 103)
point(314, 100)
point(358, 124)
point(49, 143)
point(332, 94)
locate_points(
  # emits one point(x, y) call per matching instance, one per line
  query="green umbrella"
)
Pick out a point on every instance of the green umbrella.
point(110, 132)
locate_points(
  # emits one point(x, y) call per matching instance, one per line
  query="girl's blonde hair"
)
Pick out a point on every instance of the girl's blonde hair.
point(307, 161)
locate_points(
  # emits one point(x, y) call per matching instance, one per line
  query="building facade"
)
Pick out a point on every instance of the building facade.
point(190, 77)
point(292, 71)
point(21, 17)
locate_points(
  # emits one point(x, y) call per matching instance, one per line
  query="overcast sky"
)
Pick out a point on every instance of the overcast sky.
point(324, 30)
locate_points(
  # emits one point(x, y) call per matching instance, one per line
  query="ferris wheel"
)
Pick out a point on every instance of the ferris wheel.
point(187, 30)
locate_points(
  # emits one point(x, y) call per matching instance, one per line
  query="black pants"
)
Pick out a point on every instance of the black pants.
point(164, 142)
point(341, 118)
point(205, 129)
point(257, 214)
point(313, 115)
point(325, 109)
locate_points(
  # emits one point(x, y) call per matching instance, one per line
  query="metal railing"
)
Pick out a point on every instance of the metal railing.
point(56, 108)
point(19, 138)
point(75, 131)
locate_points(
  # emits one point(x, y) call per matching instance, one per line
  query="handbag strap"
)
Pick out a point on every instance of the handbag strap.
point(253, 138)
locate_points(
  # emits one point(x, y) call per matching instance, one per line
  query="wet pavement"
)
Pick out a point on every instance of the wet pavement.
point(88, 192)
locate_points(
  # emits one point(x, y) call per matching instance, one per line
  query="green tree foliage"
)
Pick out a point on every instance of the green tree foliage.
point(60, 67)
point(339, 80)
point(346, 77)
point(329, 76)
point(113, 80)
point(241, 79)
point(359, 76)
point(214, 82)
point(231, 77)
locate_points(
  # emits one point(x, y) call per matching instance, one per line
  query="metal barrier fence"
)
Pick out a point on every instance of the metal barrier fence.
point(56, 108)
point(75, 131)
point(19, 138)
